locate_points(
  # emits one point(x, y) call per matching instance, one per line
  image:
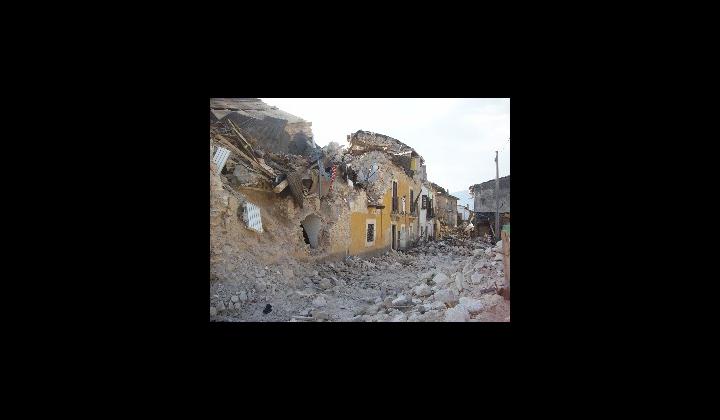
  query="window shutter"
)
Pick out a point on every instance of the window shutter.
point(221, 157)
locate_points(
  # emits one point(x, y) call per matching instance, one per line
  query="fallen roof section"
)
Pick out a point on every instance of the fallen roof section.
point(250, 107)
point(504, 184)
point(365, 141)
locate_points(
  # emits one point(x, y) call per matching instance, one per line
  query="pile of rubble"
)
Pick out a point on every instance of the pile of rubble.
point(453, 280)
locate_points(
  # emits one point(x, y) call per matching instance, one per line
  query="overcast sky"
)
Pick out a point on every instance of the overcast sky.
point(456, 137)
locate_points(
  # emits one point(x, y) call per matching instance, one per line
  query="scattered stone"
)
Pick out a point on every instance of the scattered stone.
point(471, 305)
point(213, 311)
point(325, 284)
point(261, 273)
point(401, 301)
point(401, 317)
point(288, 274)
point(468, 268)
point(423, 290)
point(234, 299)
point(447, 296)
point(491, 300)
point(488, 252)
point(221, 306)
point(372, 309)
point(477, 252)
point(414, 317)
point(427, 275)
point(457, 314)
point(380, 317)
point(416, 301)
point(498, 257)
point(320, 315)
point(319, 301)
point(459, 281)
point(476, 278)
point(441, 279)
point(387, 302)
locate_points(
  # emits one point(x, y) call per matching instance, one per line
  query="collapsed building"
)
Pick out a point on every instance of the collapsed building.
point(281, 208)
point(276, 196)
point(392, 173)
point(446, 209)
point(485, 205)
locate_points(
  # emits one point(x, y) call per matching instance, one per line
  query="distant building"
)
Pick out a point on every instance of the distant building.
point(484, 196)
point(426, 216)
point(463, 213)
point(446, 206)
point(484, 201)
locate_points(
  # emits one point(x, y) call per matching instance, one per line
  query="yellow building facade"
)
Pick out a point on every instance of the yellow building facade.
point(393, 224)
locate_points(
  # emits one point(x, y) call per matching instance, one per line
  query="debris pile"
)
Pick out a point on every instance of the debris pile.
point(454, 280)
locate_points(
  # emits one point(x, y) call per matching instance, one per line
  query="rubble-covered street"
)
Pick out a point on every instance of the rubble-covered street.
point(456, 279)
point(352, 232)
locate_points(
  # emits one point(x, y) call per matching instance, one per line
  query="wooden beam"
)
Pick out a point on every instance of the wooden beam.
point(237, 151)
point(281, 186)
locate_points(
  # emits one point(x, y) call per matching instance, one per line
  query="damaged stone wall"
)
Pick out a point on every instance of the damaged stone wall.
point(253, 173)
point(374, 172)
point(384, 218)
point(484, 195)
point(234, 245)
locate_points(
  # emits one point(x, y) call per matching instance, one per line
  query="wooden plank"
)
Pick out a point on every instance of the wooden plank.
point(237, 131)
point(249, 154)
point(237, 151)
point(281, 186)
point(267, 168)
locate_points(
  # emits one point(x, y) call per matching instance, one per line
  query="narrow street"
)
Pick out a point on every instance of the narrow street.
point(455, 279)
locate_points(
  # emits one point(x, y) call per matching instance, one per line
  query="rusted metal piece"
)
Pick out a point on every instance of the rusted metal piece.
point(506, 262)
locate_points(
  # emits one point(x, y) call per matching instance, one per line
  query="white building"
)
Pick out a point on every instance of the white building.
point(425, 225)
point(463, 212)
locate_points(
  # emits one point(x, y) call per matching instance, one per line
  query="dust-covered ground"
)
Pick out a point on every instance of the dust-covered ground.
point(455, 279)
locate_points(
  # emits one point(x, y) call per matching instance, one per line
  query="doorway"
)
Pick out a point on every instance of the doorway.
point(311, 230)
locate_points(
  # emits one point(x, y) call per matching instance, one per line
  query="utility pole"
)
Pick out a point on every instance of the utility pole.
point(497, 196)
